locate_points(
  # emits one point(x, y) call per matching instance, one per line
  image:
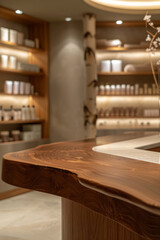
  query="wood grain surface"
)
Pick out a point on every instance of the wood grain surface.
point(81, 223)
point(125, 190)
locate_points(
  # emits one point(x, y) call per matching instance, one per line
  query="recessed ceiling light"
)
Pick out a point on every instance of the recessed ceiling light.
point(18, 11)
point(68, 19)
point(119, 22)
point(125, 4)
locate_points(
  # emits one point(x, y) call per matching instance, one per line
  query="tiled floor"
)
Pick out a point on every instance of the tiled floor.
point(31, 216)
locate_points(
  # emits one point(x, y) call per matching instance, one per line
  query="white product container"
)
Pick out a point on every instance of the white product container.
point(116, 65)
point(13, 36)
point(33, 113)
point(4, 61)
point(28, 113)
point(20, 38)
point(15, 87)
point(106, 66)
point(107, 90)
point(8, 87)
point(6, 115)
point(113, 87)
point(118, 89)
point(16, 135)
point(101, 89)
point(5, 136)
point(23, 113)
point(12, 62)
point(4, 34)
point(27, 88)
point(21, 88)
point(29, 43)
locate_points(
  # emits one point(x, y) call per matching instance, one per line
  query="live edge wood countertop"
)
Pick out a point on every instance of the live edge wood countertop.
point(125, 190)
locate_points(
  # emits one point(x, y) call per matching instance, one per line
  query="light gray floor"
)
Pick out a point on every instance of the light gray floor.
point(30, 216)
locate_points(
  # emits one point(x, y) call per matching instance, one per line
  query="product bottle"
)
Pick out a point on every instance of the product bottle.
point(0, 113)
point(28, 113)
point(11, 112)
point(23, 112)
point(33, 112)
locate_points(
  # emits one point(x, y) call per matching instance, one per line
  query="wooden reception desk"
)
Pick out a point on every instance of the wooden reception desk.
point(104, 197)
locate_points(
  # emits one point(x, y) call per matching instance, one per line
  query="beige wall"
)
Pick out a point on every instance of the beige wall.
point(67, 81)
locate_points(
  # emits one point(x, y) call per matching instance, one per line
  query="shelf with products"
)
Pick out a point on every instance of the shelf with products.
point(127, 93)
point(32, 52)
point(113, 53)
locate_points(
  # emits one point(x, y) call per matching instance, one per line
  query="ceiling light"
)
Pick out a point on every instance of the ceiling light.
point(119, 22)
point(68, 19)
point(125, 4)
point(18, 11)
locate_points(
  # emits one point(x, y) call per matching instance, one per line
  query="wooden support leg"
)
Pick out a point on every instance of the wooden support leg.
point(81, 223)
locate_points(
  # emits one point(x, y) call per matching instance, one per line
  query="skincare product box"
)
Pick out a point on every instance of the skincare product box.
point(4, 33)
point(12, 62)
point(29, 43)
point(20, 38)
point(8, 87)
point(13, 36)
point(116, 65)
point(21, 87)
point(28, 67)
point(15, 87)
point(27, 88)
point(4, 61)
point(106, 66)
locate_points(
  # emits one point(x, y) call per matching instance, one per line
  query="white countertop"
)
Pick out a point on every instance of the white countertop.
point(134, 149)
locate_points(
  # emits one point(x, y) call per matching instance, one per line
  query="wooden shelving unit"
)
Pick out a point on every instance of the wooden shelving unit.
point(123, 77)
point(36, 28)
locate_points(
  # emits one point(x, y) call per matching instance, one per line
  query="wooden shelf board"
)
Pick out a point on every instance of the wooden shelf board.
point(18, 95)
point(16, 71)
point(140, 117)
point(129, 129)
point(103, 95)
point(125, 24)
point(20, 121)
point(123, 73)
point(20, 47)
point(118, 49)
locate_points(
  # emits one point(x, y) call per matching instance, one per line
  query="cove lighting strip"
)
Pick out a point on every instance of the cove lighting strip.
point(132, 5)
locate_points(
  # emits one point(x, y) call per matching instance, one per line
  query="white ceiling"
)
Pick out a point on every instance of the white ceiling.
point(57, 10)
